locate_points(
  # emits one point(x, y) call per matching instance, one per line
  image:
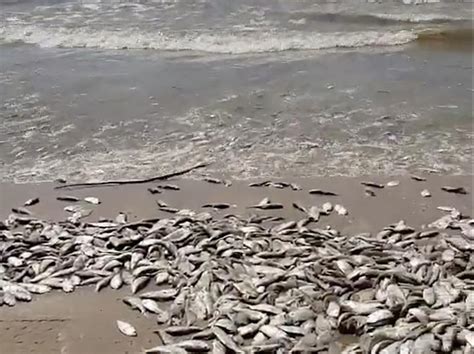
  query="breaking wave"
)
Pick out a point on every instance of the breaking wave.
point(234, 43)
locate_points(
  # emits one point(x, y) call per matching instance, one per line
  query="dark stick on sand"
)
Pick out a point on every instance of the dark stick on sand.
point(134, 181)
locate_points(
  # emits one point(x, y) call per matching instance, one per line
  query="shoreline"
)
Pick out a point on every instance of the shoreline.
point(366, 213)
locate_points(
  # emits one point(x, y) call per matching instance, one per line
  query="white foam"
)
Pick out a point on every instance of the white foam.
point(416, 18)
point(240, 42)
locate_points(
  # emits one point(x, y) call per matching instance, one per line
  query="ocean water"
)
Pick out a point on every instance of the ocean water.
point(107, 89)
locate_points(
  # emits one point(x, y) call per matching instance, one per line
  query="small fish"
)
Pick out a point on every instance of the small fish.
point(217, 205)
point(259, 184)
point(340, 209)
point(392, 183)
point(213, 180)
point(67, 198)
point(225, 339)
point(135, 303)
point(299, 207)
point(425, 193)
point(172, 187)
point(372, 184)
point(160, 295)
point(126, 328)
point(169, 210)
point(313, 213)
point(418, 178)
point(295, 187)
point(161, 203)
point(182, 330)
point(456, 190)
point(322, 192)
point(265, 204)
point(92, 200)
point(369, 192)
point(31, 202)
point(193, 345)
point(151, 306)
point(154, 190)
point(121, 218)
point(327, 208)
point(139, 283)
point(21, 211)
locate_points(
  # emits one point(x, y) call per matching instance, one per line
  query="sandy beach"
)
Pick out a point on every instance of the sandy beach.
point(367, 104)
point(84, 321)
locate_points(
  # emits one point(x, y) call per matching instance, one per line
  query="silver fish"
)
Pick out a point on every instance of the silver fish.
point(126, 328)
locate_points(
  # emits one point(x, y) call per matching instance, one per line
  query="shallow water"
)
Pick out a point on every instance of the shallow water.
point(98, 113)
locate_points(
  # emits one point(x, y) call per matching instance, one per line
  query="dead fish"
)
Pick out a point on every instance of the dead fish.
point(121, 218)
point(322, 192)
point(135, 303)
point(327, 208)
point(36, 288)
point(166, 349)
point(160, 295)
point(92, 200)
point(139, 283)
point(193, 345)
point(372, 184)
point(172, 187)
point(154, 190)
point(259, 184)
point(333, 309)
point(313, 213)
point(9, 299)
point(169, 210)
point(425, 193)
point(418, 178)
point(161, 203)
point(380, 317)
point(213, 180)
point(265, 204)
point(455, 190)
point(340, 209)
point(126, 328)
point(295, 187)
point(182, 330)
point(67, 198)
point(360, 308)
point(21, 211)
point(299, 207)
point(225, 339)
point(392, 183)
point(273, 332)
point(152, 306)
point(31, 202)
point(217, 205)
point(116, 281)
point(369, 192)
point(17, 291)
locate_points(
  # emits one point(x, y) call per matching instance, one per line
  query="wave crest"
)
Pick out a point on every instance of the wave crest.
point(234, 43)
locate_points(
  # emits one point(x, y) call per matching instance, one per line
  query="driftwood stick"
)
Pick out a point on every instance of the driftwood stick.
point(133, 181)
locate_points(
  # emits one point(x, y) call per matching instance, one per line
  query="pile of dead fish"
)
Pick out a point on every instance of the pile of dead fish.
point(260, 284)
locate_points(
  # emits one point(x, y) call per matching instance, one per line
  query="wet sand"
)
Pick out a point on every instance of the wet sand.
point(84, 322)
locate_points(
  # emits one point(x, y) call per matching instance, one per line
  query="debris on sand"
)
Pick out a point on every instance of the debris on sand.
point(425, 193)
point(455, 190)
point(392, 183)
point(31, 202)
point(258, 284)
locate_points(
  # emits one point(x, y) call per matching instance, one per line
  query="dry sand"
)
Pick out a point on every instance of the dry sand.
point(84, 322)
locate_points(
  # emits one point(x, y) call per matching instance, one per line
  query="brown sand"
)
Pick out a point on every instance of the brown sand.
point(84, 322)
